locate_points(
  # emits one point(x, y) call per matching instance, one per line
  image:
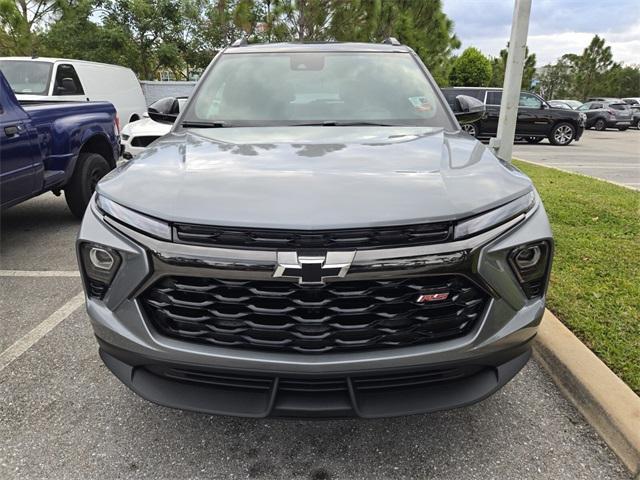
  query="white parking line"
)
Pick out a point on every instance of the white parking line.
point(39, 273)
point(27, 341)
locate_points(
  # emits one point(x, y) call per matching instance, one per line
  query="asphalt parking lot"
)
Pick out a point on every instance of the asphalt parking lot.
point(63, 415)
point(610, 155)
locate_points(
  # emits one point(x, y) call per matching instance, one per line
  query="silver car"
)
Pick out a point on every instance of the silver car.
point(315, 237)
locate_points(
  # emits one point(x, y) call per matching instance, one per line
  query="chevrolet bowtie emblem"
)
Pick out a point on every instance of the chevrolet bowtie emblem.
point(313, 270)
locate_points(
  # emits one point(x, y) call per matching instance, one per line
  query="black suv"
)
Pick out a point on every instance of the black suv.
point(537, 120)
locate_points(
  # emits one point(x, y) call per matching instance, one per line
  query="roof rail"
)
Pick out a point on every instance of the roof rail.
point(391, 41)
point(241, 42)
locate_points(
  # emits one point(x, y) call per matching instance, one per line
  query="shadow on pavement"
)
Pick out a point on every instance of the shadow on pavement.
point(38, 235)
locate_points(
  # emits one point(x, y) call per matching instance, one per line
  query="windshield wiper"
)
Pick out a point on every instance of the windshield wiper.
point(190, 124)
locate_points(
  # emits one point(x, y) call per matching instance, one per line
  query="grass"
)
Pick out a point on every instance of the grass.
point(595, 280)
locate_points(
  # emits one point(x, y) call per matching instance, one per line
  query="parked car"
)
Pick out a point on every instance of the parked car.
point(558, 104)
point(604, 99)
point(57, 79)
point(313, 240)
point(137, 136)
point(634, 105)
point(54, 147)
point(607, 114)
point(573, 104)
point(536, 121)
point(635, 112)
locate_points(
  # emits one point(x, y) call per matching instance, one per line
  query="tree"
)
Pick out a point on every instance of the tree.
point(420, 24)
point(147, 23)
point(620, 81)
point(590, 67)
point(556, 80)
point(471, 69)
point(499, 64)
point(20, 23)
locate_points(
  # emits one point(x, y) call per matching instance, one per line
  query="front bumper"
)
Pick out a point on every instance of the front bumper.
point(482, 360)
point(359, 393)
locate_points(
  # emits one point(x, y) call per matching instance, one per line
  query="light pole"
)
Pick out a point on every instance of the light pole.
point(503, 143)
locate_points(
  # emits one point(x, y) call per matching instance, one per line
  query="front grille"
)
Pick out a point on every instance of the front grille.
point(343, 315)
point(361, 238)
point(144, 140)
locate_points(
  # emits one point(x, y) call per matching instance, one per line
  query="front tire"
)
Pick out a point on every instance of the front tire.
point(90, 168)
point(533, 139)
point(600, 125)
point(562, 134)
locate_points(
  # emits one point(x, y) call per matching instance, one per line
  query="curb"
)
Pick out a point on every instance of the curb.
point(605, 401)
point(553, 167)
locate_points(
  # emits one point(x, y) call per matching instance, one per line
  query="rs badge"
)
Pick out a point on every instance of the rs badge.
point(432, 297)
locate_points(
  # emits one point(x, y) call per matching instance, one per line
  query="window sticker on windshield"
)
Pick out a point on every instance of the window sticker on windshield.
point(421, 104)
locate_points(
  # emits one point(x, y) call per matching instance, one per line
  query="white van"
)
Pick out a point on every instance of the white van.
point(58, 79)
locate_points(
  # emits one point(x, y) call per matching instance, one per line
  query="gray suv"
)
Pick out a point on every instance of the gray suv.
point(315, 237)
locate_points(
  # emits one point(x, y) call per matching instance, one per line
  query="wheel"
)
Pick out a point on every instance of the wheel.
point(90, 168)
point(562, 134)
point(470, 128)
point(533, 139)
point(600, 125)
point(622, 129)
point(638, 124)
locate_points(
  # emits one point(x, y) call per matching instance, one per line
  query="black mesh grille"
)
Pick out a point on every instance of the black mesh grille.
point(345, 315)
point(362, 238)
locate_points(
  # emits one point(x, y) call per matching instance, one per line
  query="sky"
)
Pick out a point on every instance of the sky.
point(556, 27)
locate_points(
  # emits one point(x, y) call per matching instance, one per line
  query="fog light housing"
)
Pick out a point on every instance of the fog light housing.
point(530, 263)
point(100, 264)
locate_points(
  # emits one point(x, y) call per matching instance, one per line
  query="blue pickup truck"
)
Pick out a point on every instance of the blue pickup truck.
point(53, 147)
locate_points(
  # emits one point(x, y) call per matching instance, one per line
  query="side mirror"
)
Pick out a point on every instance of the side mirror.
point(161, 117)
point(470, 109)
point(163, 110)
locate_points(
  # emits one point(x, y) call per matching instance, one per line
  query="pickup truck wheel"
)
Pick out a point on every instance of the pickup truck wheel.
point(470, 128)
point(600, 125)
point(562, 134)
point(533, 139)
point(90, 168)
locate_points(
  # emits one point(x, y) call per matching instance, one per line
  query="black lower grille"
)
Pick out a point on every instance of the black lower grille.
point(143, 141)
point(317, 384)
point(343, 315)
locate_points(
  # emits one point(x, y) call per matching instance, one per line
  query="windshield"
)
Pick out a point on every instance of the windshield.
point(27, 76)
point(314, 88)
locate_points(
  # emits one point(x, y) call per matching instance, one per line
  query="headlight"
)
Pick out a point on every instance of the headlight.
point(495, 217)
point(138, 221)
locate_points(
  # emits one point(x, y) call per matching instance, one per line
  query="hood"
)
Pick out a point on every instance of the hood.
point(145, 127)
point(314, 177)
